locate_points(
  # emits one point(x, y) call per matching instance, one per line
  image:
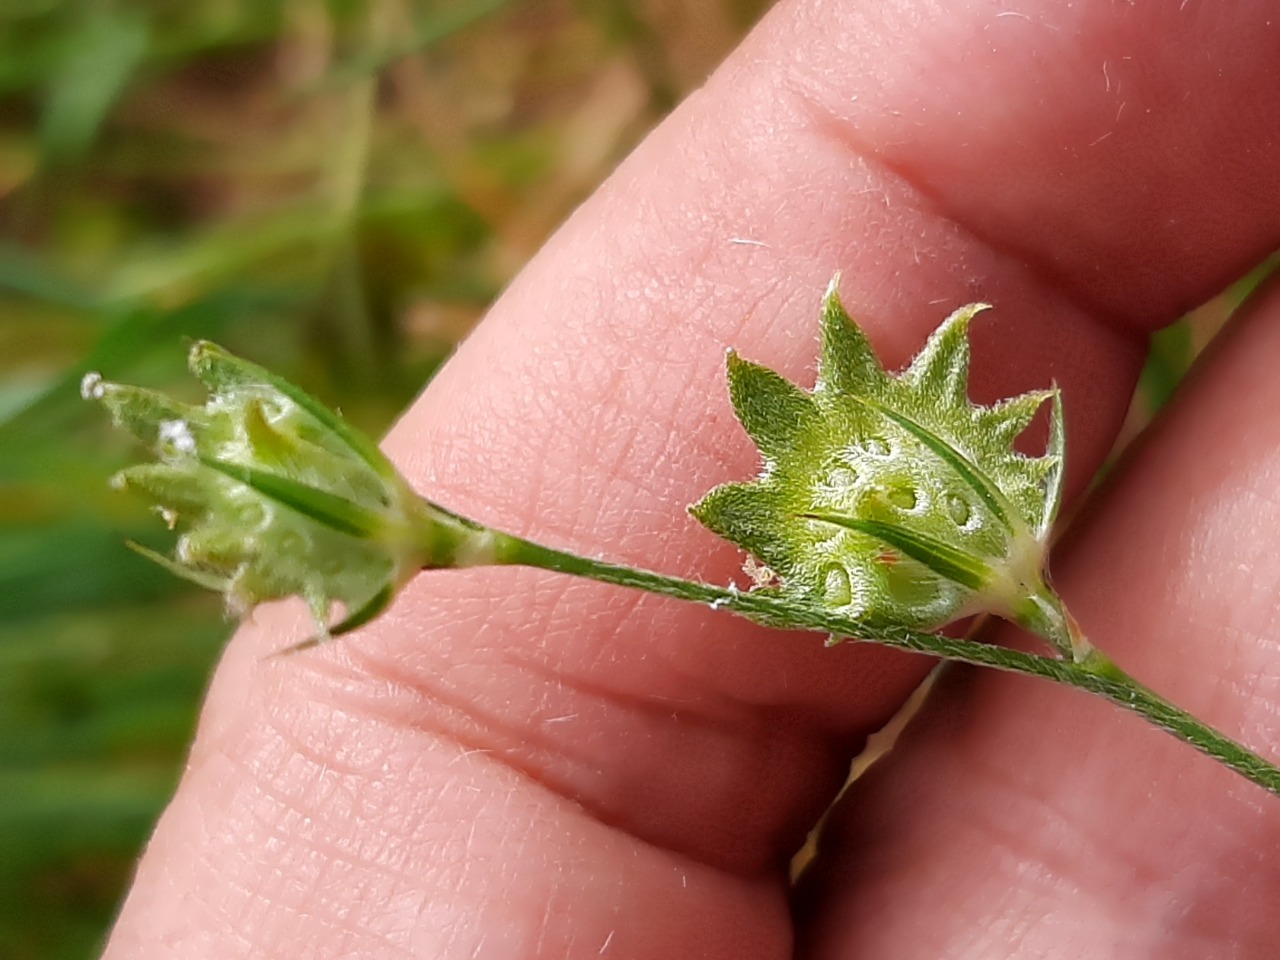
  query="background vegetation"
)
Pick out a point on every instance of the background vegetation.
point(335, 188)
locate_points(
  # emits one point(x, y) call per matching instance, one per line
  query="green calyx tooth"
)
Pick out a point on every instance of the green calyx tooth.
point(847, 364)
point(772, 409)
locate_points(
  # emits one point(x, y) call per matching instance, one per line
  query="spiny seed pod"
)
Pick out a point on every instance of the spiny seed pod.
point(893, 498)
point(278, 496)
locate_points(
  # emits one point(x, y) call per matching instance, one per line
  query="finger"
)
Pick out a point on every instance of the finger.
point(1020, 819)
point(586, 411)
point(1059, 134)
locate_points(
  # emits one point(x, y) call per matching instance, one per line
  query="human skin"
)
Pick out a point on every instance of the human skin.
point(516, 764)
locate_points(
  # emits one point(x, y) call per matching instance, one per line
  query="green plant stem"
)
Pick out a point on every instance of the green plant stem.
point(1095, 673)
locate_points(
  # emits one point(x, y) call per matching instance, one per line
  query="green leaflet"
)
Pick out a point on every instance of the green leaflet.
point(891, 497)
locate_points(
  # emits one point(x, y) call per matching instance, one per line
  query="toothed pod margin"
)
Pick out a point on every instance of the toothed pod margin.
point(893, 498)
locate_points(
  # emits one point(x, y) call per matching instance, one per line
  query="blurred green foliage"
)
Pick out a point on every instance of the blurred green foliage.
point(1171, 351)
point(335, 188)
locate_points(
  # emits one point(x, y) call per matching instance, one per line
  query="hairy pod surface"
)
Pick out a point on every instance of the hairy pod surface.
point(893, 498)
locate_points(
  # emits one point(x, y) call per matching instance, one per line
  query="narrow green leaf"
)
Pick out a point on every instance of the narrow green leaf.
point(335, 512)
point(207, 580)
point(367, 612)
point(957, 461)
point(98, 61)
point(942, 558)
point(1170, 353)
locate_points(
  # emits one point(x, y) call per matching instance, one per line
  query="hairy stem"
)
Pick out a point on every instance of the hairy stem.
point(1094, 673)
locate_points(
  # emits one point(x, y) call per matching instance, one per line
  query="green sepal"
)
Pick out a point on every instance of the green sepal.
point(333, 511)
point(744, 513)
point(966, 472)
point(772, 409)
point(370, 611)
point(847, 364)
point(1006, 420)
point(210, 581)
point(224, 373)
point(181, 491)
point(144, 413)
point(940, 371)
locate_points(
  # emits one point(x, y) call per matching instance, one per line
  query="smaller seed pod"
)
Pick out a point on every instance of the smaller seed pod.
point(275, 495)
point(892, 497)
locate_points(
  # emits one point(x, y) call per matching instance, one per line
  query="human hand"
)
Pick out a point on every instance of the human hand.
point(512, 764)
